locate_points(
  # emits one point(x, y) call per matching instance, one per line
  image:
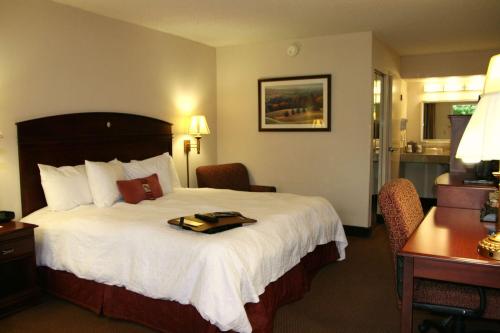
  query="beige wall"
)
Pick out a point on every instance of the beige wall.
point(385, 59)
point(336, 164)
point(55, 59)
point(446, 64)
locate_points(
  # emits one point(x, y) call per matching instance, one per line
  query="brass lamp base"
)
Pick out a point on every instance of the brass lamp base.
point(490, 246)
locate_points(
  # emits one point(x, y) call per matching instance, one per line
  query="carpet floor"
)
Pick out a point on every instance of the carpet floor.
point(353, 296)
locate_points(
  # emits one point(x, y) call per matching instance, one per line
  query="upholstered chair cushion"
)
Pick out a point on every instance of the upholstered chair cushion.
point(453, 294)
point(232, 176)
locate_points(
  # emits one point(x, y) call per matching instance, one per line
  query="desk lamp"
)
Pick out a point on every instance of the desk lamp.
point(481, 142)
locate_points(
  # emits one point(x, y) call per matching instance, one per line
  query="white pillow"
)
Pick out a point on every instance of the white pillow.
point(102, 181)
point(160, 165)
point(65, 187)
point(174, 177)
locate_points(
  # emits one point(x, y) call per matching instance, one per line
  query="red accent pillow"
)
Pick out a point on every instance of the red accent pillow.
point(136, 190)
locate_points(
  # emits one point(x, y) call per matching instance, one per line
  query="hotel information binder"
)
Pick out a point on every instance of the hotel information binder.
point(222, 224)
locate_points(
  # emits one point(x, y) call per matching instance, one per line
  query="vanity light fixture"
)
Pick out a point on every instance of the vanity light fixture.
point(198, 127)
point(481, 141)
point(475, 83)
point(454, 84)
point(433, 87)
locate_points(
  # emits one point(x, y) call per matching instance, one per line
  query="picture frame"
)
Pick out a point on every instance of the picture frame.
point(298, 103)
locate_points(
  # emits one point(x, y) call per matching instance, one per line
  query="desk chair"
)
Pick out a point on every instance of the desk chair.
point(402, 214)
point(233, 176)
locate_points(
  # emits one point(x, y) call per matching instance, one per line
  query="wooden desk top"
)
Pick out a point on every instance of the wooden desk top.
point(450, 234)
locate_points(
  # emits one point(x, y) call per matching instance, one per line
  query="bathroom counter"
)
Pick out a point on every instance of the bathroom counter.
point(421, 168)
point(442, 158)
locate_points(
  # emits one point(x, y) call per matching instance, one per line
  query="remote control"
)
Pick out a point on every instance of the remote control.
point(226, 214)
point(207, 218)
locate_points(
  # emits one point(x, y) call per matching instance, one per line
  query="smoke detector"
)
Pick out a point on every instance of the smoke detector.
point(293, 50)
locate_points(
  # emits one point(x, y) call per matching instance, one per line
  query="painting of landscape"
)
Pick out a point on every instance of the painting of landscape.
point(294, 104)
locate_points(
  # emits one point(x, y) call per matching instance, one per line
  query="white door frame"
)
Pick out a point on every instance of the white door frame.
point(384, 168)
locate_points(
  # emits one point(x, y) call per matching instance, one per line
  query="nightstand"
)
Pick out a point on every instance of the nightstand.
point(18, 287)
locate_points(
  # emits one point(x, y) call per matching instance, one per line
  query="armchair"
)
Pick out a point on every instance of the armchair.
point(232, 176)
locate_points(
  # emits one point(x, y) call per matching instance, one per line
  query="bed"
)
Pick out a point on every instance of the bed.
point(169, 279)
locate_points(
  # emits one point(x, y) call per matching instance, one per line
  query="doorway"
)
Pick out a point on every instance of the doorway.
point(385, 136)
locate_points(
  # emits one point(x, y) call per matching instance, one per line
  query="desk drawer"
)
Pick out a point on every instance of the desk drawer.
point(15, 248)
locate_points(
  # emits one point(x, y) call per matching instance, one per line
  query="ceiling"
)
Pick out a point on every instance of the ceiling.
point(409, 27)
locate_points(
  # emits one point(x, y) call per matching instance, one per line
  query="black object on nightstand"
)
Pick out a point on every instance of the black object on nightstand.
point(6, 216)
point(18, 287)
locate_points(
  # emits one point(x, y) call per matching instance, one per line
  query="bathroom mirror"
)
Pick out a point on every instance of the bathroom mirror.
point(435, 124)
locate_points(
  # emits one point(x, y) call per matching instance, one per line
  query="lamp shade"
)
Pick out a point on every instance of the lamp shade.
point(481, 138)
point(198, 126)
point(492, 81)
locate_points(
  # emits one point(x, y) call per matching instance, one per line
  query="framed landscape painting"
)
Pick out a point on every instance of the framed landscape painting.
point(300, 103)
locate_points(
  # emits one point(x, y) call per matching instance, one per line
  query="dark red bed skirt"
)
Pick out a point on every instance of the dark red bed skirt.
point(170, 316)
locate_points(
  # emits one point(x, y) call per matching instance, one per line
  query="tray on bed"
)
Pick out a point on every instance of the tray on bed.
point(195, 224)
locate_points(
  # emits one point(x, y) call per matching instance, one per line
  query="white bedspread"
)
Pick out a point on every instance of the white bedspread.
point(133, 246)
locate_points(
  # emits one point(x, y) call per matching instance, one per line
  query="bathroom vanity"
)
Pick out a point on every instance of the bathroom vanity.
point(423, 168)
point(429, 155)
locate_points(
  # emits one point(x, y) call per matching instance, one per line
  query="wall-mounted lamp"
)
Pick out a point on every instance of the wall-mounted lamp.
point(481, 141)
point(198, 127)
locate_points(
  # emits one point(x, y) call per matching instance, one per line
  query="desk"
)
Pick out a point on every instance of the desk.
point(443, 247)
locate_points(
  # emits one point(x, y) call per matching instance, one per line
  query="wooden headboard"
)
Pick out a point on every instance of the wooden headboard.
point(71, 139)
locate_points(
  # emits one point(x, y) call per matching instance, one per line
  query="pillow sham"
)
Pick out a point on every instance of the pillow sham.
point(102, 178)
point(174, 177)
point(157, 164)
point(65, 187)
point(135, 190)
